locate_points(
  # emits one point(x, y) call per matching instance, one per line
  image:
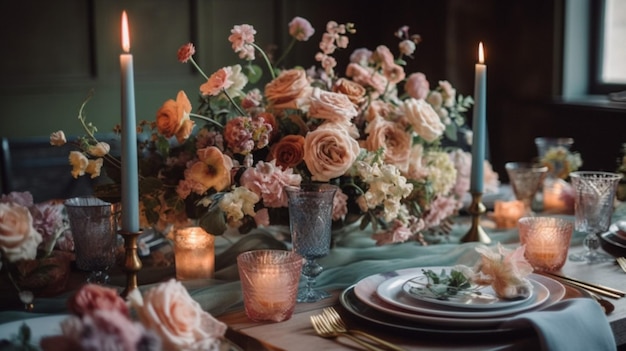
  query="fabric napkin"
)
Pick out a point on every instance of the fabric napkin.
point(572, 324)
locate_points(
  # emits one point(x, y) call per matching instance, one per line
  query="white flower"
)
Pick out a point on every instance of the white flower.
point(79, 163)
point(238, 203)
point(58, 138)
point(99, 150)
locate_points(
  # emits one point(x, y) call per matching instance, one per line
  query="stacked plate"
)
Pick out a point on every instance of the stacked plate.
point(395, 299)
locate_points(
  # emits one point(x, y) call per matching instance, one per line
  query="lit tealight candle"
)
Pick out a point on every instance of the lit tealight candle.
point(507, 213)
point(547, 241)
point(194, 253)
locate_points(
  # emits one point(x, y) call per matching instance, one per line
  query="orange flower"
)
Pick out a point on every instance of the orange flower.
point(172, 115)
point(212, 170)
point(288, 152)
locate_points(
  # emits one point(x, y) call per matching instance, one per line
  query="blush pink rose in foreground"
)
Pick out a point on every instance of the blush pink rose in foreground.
point(18, 237)
point(333, 107)
point(168, 310)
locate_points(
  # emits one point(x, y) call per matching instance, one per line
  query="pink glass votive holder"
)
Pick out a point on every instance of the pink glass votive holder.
point(194, 253)
point(547, 241)
point(269, 280)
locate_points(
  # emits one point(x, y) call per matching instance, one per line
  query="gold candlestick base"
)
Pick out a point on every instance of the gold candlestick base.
point(476, 233)
point(132, 263)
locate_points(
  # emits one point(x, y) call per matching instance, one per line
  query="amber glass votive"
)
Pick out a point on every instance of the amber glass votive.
point(269, 281)
point(507, 213)
point(547, 241)
point(194, 253)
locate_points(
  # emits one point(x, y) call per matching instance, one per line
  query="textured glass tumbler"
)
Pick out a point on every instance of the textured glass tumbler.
point(269, 281)
point(526, 179)
point(593, 208)
point(93, 224)
point(547, 241)
point(310, 221)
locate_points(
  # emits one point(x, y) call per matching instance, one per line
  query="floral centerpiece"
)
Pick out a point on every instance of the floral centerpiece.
point(35, 245)
point(387, 138)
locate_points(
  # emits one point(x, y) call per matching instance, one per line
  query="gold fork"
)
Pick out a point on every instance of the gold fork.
point(621, 261)
point(323, 328)
point(339, 326)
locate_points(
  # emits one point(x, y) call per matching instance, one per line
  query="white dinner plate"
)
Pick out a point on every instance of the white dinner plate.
point(392, 291)
point(365, 290)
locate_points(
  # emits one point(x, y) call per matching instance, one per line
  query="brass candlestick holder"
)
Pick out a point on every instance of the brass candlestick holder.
point(132, 263)
point(476, 233)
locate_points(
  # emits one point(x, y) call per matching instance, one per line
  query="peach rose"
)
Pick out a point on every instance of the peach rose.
point(168, 310)
point(211, 171)
point(393, 139)
point(288, 90)
point(354, 91)
point(424, 119)
point(288, 152)
point(92, 297)
point(18, 237)
point(185, 130)
point(329, 151)
point(333, 107)
point(171, 116)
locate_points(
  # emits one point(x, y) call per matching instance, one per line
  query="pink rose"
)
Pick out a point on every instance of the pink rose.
point(92, 297)
point(423, 118)
point(300, 29)
point(18, 237)
point(329, 151)
point(169, 311)
point(417, 86)
point(393, 138)
point(333, 107)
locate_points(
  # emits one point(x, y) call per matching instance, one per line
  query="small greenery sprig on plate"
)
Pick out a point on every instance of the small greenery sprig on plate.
point(442, 286)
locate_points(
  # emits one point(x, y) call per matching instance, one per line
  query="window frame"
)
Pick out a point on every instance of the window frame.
point(595, 84)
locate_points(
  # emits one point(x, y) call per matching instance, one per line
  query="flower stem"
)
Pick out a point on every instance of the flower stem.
point(206, 119)
point(193, 62)
point(282, 57)
point(242, 112)
point(267, 60)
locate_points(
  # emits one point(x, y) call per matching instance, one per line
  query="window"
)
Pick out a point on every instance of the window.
point(608, 25)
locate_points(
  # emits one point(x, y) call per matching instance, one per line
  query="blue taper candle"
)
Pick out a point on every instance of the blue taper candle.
point(479, 123)
point(130, 173)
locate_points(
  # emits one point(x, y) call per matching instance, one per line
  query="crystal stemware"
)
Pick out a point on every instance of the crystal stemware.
point(593, 207)
point(525, 179)
point(94, 229)
point(310, 220)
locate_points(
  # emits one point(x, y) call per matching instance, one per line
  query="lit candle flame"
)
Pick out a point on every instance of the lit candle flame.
point(481, 54)
point(125, 34)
